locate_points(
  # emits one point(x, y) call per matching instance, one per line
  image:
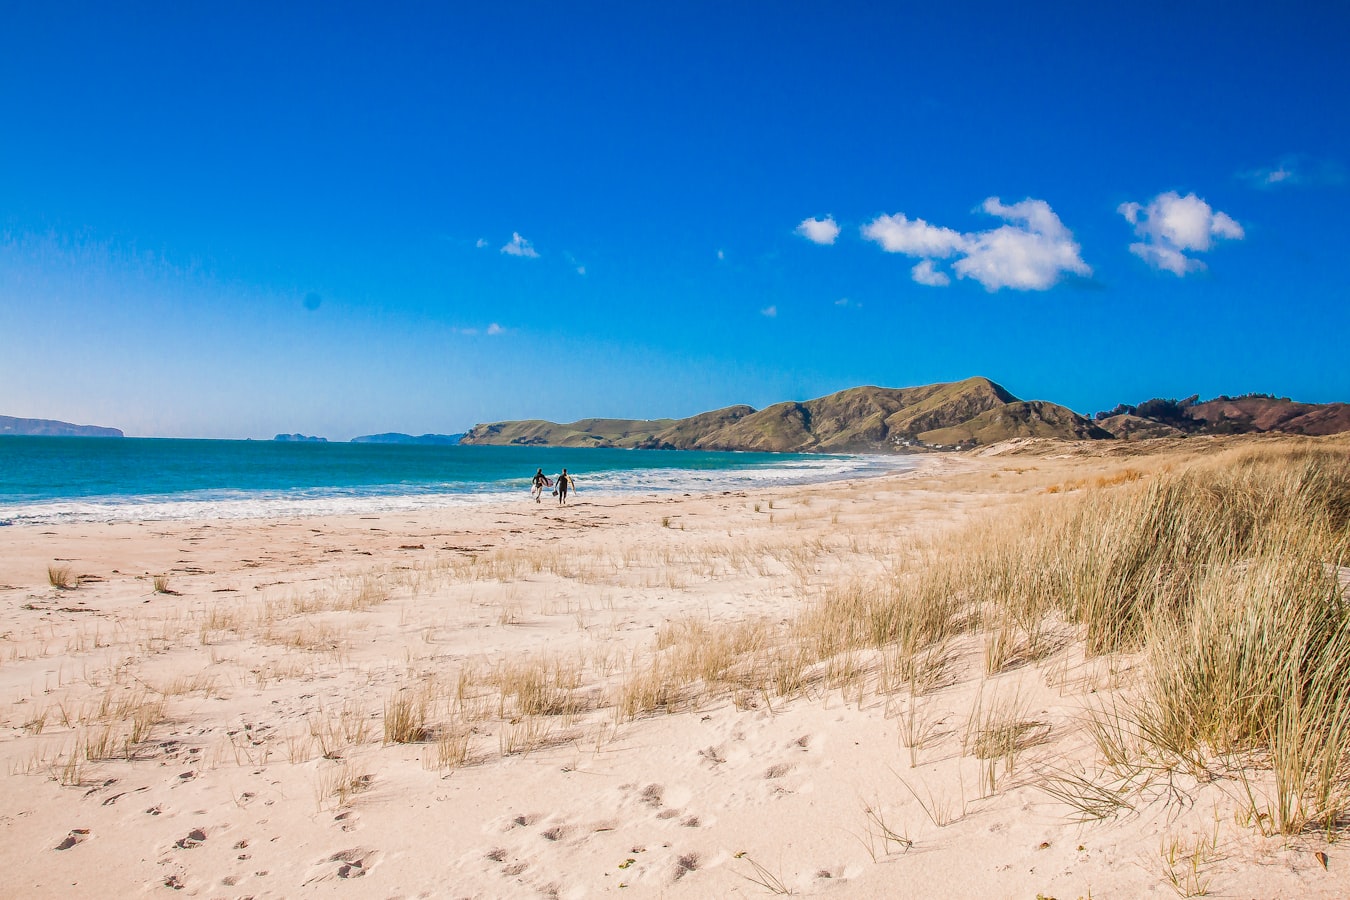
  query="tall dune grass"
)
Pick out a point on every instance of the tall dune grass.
point(1225, 577)
point(1222, 577)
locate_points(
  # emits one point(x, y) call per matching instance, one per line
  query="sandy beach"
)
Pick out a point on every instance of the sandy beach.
point(521, 700)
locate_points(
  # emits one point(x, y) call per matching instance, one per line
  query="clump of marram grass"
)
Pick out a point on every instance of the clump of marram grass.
point(1225, 574)
point(406, 716)
point(1258, 664)
point(161, 583)
point(540, 687)
point(61, 578)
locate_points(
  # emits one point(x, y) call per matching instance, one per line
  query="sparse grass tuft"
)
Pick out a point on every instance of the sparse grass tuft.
point(405, 717)
point(61, 578)
point(765, 878)
point(1186, 863)
point(338, 784)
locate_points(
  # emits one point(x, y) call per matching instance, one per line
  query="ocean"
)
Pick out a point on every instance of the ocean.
point(54, 480)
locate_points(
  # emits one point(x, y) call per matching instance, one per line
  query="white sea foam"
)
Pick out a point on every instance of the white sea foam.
point(403, 498)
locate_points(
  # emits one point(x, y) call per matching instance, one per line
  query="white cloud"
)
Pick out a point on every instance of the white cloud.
point(1031, 253)
point(1168, 259)
point(581, 270)
point(480, 243)
point(769, 311)
point(520, 247)
point(913, 237)
point(847, 303)
point(924, 273)
point(721, 254)
point(819, 231)
point(1170, 225)
point(494, 328)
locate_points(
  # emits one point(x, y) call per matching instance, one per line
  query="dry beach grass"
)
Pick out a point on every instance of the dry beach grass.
point(1053, 670)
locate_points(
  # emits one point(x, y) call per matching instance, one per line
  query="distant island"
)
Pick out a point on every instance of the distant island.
point(52, 428)
point(395, 437)
point(957, 415)
point(300, 439)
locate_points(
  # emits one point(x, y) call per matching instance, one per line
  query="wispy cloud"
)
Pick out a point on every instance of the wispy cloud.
point(480, 243)
point(572, 261)
point(492, 330)
point(1295, 170)
point(1030, 253)
point(846, 303)
point(520, 247)
point(1172, 225)
point(770, 312)
point(721, 255)
point(819, 231)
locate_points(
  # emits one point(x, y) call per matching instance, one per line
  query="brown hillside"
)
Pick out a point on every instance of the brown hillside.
point(1029, 419)
point(1267, 414)
point(685, 434)
point(861, 419)
point(1133, 428)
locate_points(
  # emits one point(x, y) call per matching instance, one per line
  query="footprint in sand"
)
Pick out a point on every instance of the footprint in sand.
point(687, 863)
point(194, 838)
point(348, 820)
point(76, 836)
point(353, 863)
point(523, 820)
point(558, 832)
point(713, 756)
point(651, 795)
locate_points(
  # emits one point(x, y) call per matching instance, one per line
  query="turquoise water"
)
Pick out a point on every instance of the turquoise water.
point(52, 480)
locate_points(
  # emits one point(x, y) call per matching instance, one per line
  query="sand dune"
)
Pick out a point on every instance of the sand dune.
point(522, 700)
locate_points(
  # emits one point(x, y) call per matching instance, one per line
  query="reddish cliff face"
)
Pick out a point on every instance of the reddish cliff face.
point(1272, 414)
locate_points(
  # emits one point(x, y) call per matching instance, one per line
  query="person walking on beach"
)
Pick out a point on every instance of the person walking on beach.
point(540, 481)
point(565, 483)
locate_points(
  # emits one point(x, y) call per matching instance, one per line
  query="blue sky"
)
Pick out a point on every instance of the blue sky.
point(230, 220)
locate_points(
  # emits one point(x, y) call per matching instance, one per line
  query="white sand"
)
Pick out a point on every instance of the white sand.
point(228, 794)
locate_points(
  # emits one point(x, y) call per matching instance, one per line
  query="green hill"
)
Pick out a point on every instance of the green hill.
point(861, 419)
